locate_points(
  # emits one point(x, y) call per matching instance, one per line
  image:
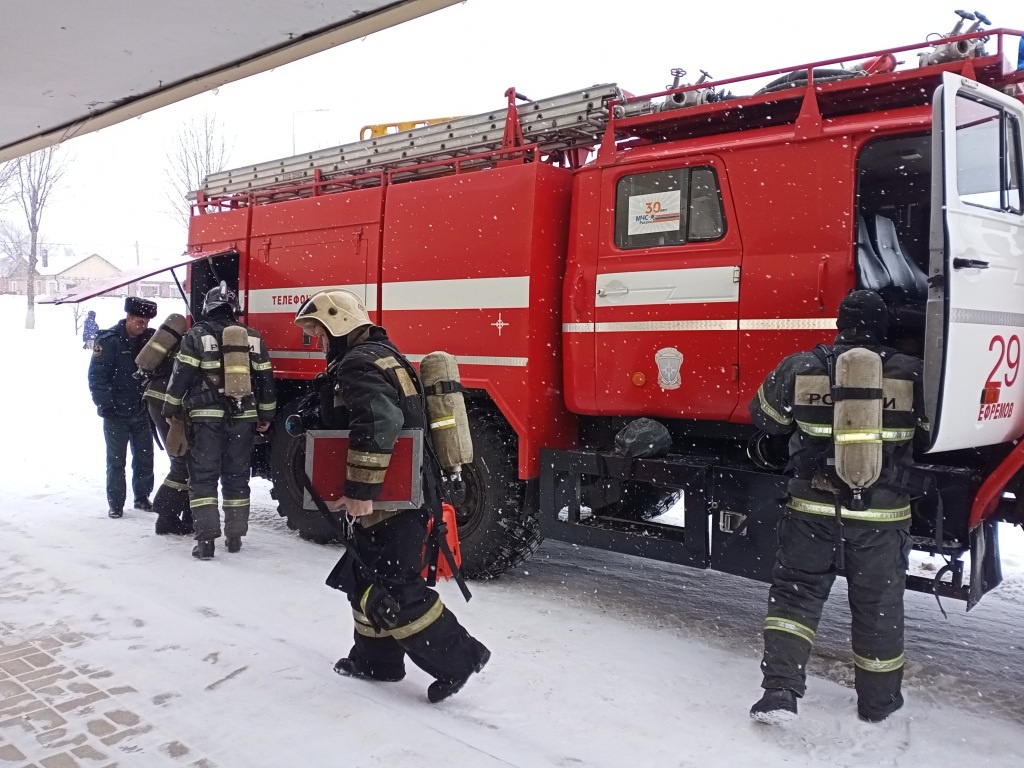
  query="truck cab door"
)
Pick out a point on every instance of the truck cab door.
point(667, 291)
point(974, 392)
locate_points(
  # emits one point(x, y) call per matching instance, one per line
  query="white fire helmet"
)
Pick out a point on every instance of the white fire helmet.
point(338, 311)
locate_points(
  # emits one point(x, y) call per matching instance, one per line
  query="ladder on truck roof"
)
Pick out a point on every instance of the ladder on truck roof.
point(574, 119)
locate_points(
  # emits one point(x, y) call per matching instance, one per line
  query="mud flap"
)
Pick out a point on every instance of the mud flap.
point(986, 572)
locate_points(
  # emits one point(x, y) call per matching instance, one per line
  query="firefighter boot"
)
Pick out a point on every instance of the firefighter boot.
point(373, 658)
point(171, 505)
point(776, 706)
point(234, 543)
point(352, 668)
point(878, 714)
point(203, 550)
point(166, 524)
point(439, 690)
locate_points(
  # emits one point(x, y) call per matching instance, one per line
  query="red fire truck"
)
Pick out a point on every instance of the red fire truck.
point(598, 256)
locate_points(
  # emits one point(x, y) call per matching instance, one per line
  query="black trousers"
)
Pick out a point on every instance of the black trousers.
point(171, 499)
point(220, 450)
point(876, 565)
point(425, 630)
point(118, 432)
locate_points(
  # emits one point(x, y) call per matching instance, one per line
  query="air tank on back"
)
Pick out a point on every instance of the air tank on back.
point(446, 412)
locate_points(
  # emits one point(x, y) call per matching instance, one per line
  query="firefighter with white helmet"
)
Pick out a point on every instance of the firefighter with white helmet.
point(851, 411)
point(222, 385)
point(375, 391)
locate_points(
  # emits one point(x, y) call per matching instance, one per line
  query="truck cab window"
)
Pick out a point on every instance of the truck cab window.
point(666, 208)
point(988, 170)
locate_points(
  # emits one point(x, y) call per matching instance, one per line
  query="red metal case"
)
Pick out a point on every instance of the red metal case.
point(326, 453)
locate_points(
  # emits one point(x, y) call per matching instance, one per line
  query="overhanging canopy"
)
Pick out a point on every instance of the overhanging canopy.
point(69, 68)
point(98, 287)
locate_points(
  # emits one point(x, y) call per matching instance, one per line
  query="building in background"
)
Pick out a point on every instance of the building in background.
point(60, 277)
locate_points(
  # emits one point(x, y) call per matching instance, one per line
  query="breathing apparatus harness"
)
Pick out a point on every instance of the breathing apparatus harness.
point(450, 488)
point(236, 379)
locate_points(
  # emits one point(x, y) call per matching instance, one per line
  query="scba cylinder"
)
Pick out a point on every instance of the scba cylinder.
point(161, 344)
point(235, 350)
point(446, 411)
point(857, 417)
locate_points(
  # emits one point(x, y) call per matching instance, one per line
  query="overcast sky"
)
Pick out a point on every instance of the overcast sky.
point(459, 61)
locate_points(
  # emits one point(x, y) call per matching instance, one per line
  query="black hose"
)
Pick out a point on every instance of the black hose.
point(798, 79)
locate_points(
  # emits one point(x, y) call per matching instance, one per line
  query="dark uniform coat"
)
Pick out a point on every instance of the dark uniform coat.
point(117, 393)
point(796, 400)
point(375, 395)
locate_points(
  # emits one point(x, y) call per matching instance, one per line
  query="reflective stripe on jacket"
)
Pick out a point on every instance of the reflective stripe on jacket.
point(796, 399)
point(196, 385)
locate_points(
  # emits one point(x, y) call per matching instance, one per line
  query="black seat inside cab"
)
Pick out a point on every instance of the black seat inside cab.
point(904, 273)
point(872, 274)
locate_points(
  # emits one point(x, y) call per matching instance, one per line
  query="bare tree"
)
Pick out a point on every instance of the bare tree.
point(78, 314)
point(199, 149)
point(16, 242)
point(32, 182)
point(6, 191)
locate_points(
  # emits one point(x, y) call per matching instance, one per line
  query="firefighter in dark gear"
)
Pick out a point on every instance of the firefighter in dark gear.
point(221, 429)
point(828, 523)
point(117, 393)
point(372, 391)
point(170, 503)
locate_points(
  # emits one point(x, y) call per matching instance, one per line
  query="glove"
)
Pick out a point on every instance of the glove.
point(107, 411)
point(380, 608)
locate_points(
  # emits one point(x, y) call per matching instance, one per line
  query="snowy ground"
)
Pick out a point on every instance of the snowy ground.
point(116, 647)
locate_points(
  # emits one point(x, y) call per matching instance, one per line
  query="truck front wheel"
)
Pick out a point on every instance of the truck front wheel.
point(287, 465)
point(497, 531)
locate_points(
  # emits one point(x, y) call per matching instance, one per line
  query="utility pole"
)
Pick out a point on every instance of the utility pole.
point(136, 253)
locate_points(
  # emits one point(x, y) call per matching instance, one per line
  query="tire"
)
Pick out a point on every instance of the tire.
point(287, 464)
point(497, 532)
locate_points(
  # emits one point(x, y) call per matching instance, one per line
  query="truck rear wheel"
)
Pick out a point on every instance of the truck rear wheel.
point(287, 465)
point(497, 531)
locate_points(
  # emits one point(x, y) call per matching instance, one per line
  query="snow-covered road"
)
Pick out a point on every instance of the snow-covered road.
point(116, 647)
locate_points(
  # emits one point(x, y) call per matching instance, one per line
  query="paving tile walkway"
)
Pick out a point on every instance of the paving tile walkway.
point(57, 715)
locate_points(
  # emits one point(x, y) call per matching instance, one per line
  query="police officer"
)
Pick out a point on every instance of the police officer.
point(117, 393)
point(869, 532)
point(221, 430)
point(170, 503)
point(396, 614)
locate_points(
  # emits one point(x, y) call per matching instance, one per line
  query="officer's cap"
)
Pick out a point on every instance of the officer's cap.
point(134, 305)
point(863, 311)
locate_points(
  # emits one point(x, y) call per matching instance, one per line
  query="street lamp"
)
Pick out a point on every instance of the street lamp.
point(302, 112)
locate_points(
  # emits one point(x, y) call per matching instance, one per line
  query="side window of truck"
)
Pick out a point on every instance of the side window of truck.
point(664, 208)
point(989, 169)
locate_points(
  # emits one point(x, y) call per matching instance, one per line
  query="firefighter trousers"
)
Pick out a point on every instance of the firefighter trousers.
point(425, 630)
point(220, 450)
point(876, 565)
point(118, 432)
point(171, 499)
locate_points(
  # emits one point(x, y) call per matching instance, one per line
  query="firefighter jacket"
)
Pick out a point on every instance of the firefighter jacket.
point(796, 400)
point(377, 386)
point(115, 389)
point(196, 386)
